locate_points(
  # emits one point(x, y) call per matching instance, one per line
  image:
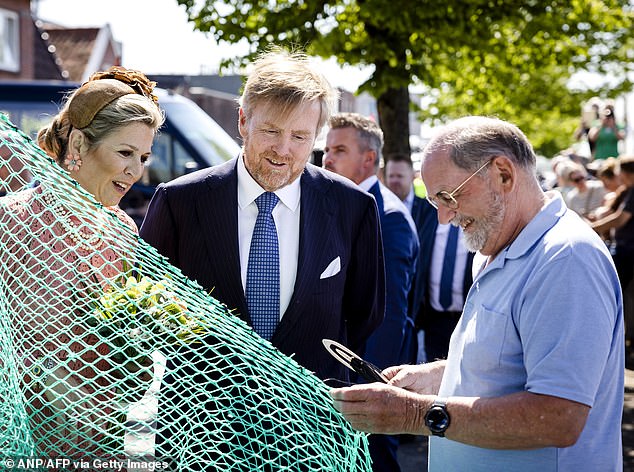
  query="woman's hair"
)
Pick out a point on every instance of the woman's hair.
point(285, 80)
point(608, 168)
point(626, 163)
point(109, 101)
point(573, 168)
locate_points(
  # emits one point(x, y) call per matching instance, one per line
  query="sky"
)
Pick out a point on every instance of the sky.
point(158, 39)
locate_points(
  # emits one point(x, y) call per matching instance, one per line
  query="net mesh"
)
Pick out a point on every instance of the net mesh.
point(108, 351)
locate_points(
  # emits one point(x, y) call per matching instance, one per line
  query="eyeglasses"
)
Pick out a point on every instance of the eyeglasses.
point(578, 179)
point(447, 198)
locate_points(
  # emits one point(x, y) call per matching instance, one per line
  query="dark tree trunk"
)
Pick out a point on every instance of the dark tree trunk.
point(393, 108)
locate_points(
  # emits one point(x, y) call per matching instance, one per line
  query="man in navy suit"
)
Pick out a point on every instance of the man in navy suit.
point(434, 320)
point(331, 271)
point(353, 149)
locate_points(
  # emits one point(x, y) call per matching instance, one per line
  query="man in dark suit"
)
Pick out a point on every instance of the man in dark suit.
point(353, 149)
point(436, 321)
point(325, 265)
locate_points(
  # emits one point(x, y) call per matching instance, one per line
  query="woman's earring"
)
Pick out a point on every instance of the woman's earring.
point(72, 163)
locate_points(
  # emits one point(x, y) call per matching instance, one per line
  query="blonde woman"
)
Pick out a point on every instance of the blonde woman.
point(55, 244)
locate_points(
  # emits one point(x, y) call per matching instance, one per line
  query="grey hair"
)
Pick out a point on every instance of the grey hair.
point(370, 135)
point(473, 140)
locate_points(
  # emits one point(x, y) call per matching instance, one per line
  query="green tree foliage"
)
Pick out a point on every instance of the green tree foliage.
point(496, 57)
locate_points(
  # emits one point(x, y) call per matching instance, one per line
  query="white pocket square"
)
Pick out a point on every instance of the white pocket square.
point(333, 268)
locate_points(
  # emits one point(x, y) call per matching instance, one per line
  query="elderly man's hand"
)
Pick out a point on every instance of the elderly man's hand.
point(423, 378)
point(380, 408)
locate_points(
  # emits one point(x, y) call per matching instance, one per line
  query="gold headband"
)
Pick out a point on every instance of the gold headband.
point(92, 97)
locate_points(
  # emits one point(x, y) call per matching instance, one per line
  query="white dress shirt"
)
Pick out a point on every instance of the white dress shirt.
point(367, 184)
point(286, 217)
point(435, 271)
point(409, 200)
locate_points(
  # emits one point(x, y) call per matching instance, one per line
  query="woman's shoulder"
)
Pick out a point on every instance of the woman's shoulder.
point(124, 218)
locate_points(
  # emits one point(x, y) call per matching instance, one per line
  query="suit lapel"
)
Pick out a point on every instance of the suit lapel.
point(375, 190)
point(427, 222)
point(315, 222)
point(217, 211)
point(426, 219)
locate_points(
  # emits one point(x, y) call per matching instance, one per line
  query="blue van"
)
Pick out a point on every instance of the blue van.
point(189, 140)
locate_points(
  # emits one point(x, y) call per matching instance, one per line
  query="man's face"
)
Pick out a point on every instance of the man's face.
point(343, 154)
point(480, 212)
point(484, 229)
point(277, 147)
point(399, 176)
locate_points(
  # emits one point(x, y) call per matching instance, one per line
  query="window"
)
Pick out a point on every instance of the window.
point(9, 41)
point(169, 160)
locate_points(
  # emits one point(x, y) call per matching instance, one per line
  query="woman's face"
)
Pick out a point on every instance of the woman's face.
point(109, 170)
point(611, 183)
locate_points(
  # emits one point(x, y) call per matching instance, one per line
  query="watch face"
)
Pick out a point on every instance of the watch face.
point(437, 419)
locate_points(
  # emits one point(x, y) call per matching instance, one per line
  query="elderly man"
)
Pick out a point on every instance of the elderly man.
point(534, 376)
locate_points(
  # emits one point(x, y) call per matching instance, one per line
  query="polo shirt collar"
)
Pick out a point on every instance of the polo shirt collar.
point(543, 221)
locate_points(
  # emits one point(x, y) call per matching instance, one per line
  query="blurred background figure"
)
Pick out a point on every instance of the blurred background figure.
point(563, 166)
point(618, 227)
point(606, 135)
point(400, 178)
point(443, 273)
point(590, 116)
point(621, 223)
point(586, 194)
point(608, 174)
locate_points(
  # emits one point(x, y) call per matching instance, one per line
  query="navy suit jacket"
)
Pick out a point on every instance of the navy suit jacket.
point(193, 221)
point(389, 344)
point(426, 219)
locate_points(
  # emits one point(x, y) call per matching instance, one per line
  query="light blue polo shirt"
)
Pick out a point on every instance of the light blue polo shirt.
point(546, 316)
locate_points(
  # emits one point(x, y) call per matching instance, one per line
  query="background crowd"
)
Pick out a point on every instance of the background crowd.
point(305, 254)
point(599, 187)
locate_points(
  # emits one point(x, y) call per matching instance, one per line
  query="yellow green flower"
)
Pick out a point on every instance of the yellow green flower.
point(136, 309)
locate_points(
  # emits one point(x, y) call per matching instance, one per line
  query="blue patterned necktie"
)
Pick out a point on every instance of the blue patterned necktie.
point(263, 269)
point(448, 265)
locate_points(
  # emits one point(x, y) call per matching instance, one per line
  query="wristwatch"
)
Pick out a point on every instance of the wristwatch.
point(437, 418)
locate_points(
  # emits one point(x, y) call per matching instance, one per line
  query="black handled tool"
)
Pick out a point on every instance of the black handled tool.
point(365, 369)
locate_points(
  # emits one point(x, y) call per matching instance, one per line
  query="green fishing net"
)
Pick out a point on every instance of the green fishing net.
point(102, 356)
